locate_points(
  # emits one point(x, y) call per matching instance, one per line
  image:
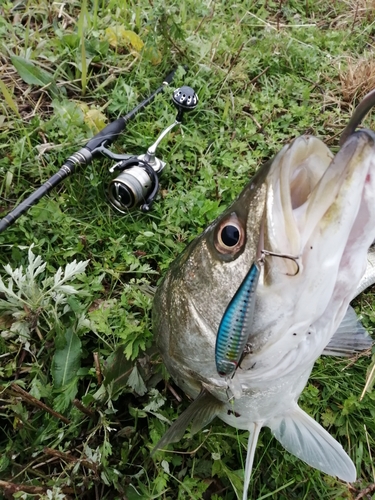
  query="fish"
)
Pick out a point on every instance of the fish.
point(305, 202)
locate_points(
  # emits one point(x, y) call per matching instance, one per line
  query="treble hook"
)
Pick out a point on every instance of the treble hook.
point(283, 256)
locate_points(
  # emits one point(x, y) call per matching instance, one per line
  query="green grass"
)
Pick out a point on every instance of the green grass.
point(265, 72)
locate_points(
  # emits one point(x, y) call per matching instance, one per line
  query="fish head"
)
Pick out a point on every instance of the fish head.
point(305, 203)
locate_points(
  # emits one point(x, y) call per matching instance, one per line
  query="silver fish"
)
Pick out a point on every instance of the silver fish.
point(308, 203)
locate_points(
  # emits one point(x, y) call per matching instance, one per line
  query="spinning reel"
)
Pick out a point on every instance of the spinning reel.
point(137, 182)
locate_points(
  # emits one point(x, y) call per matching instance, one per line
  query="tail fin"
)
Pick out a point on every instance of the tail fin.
point(201, 411)
point(307, 440)
point(251, 445)
point(350, 337)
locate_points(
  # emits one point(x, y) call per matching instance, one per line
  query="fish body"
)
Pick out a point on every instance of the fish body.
point(307, 203)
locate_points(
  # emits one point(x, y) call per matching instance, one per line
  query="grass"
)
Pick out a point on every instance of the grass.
point(265, 72)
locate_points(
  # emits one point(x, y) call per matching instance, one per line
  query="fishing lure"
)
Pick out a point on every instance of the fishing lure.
point(234, 327)
point(233, 330)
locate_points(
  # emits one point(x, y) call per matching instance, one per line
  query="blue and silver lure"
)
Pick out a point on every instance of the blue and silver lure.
point(234, 327)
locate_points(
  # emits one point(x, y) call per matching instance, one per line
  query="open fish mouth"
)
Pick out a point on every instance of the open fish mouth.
point(313, 194)
point(315, 206)
point(319, 208)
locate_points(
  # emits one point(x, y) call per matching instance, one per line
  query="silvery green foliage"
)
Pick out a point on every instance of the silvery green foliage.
point(54, 494)
point(30, 293)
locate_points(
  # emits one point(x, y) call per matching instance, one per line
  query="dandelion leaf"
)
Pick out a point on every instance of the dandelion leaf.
point(33, 75)
point(67, 361)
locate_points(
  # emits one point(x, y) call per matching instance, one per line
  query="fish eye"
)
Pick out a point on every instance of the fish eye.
point(230, 235)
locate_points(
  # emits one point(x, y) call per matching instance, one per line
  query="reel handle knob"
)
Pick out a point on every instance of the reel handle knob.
point(185, 99)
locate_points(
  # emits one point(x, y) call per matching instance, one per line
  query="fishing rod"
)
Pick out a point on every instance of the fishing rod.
point(137, 182)
point(358, 115)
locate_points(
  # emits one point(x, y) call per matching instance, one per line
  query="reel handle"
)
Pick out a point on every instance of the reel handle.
point(185, 99)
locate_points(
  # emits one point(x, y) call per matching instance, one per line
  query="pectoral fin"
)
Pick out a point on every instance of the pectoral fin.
point(350, 337)
point(307, 440)
point(201, 412)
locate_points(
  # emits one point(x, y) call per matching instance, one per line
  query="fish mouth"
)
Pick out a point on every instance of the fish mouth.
point(320, 209)
point(313, 195)
point(314, 206)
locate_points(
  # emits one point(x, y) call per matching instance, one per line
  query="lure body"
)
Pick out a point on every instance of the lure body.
point(233, 331)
